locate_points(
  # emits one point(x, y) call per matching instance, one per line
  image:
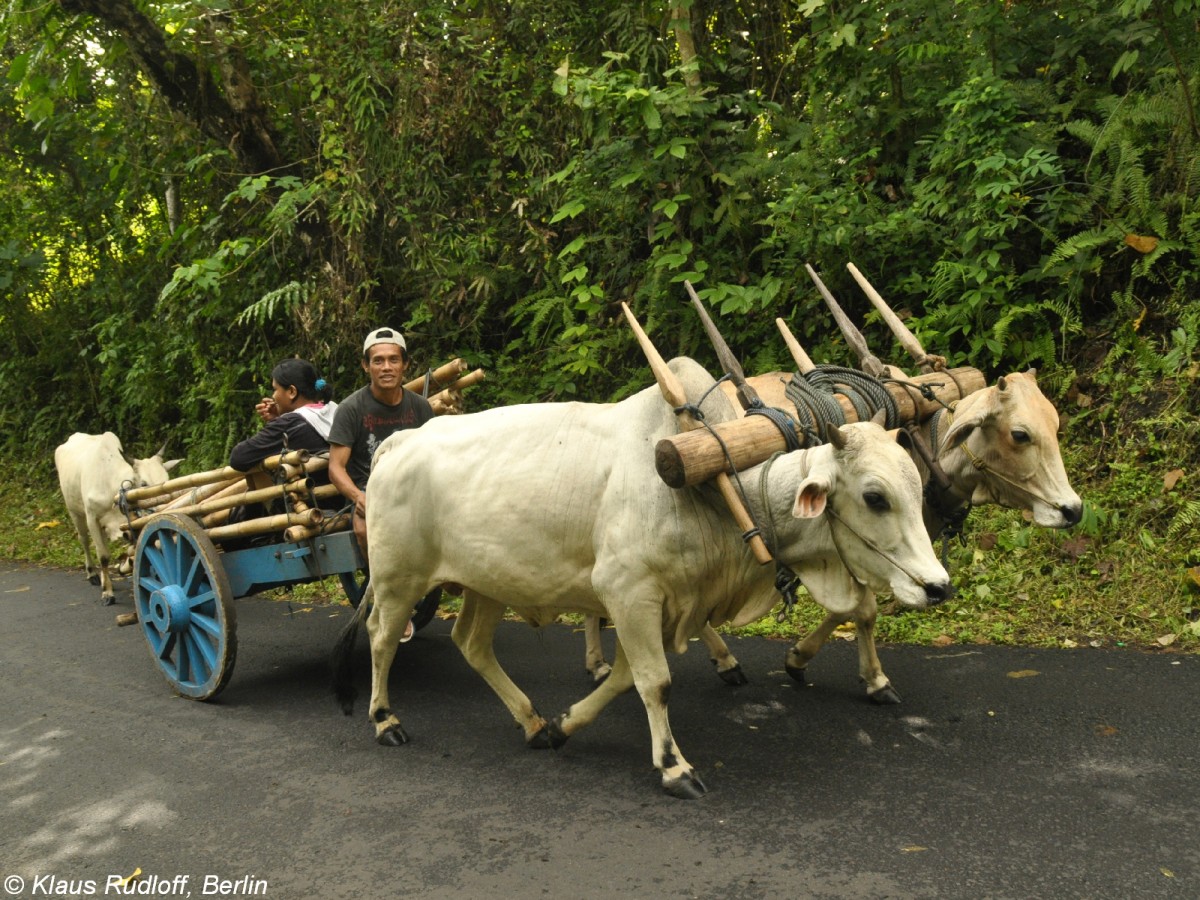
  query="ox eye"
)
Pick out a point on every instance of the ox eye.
point(876, 501)
point(1021, 437)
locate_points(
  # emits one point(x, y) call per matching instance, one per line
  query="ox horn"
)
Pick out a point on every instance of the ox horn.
point(674, 394)
point(907, 339)
point(869, 362)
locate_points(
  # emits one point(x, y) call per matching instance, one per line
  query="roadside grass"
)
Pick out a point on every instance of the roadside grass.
point(1128, 575)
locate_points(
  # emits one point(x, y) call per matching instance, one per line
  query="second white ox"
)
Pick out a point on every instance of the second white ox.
point(91, 469)
point(568, 513)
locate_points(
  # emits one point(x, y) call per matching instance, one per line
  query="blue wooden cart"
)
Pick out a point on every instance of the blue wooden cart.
point(184, 588)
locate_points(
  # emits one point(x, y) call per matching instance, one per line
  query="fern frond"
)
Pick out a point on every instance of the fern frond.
point(282, 301)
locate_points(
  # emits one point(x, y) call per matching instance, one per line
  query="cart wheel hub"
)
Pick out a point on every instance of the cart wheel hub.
point(169, 609)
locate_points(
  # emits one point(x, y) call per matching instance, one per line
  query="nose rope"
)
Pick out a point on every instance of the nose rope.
point(871, 545)
point(988, 471)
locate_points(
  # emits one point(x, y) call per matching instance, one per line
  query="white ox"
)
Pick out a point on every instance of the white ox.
point(999, 445)
point(564, 511)
point(91, 470)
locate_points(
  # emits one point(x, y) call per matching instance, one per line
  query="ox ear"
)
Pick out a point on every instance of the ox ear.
point(171, 463)
point(811, 497)
point(902, 437)
point(979, 413)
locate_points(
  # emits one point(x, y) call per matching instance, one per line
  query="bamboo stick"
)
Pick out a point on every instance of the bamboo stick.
point(212, 520)
point(673, 392)
point(265, 525)
point(692, 457)
point(295, 457)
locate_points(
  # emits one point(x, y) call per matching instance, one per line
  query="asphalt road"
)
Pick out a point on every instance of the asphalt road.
point(1005, 773)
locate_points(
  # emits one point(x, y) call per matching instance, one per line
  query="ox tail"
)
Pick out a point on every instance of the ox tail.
point(343, 650)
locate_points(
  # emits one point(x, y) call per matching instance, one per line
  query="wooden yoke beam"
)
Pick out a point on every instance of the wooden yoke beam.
point(696, 456)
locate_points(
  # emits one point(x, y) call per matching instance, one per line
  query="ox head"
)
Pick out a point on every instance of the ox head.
point(870, 491)
point(152, 470)
point(144, 472)
point(1008, 435)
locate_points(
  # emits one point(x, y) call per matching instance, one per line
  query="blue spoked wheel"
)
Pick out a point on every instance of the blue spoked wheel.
point(185, 606)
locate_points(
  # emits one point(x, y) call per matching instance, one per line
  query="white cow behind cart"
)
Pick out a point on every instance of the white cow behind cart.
point(92, 468)
point(567, 512)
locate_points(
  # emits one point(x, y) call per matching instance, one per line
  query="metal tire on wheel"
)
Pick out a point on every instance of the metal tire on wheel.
point(185, 606)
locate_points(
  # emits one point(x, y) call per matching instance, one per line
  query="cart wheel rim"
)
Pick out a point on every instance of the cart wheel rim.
point(185, 606)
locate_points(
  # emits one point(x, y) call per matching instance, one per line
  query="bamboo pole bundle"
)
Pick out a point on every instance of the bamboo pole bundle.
point(293, 457)
point(316, 464)
point(296, 533)
point(449, 401)
point(215, 504)
point(438, 376)
point(691, 457)
point(265, 525)
point(192, 496)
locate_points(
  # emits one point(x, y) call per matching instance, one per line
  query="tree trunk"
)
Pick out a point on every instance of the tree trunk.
point(189, 89)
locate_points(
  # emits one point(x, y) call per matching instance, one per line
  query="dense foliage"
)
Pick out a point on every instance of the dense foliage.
point(195, 190)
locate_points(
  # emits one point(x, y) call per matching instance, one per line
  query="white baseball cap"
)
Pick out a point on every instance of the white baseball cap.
point(384, 336)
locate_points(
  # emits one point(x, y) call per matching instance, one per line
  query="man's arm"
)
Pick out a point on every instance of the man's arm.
point(339, 457)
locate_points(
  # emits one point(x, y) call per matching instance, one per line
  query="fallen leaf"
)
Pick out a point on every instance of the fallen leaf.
point(1069, 644)
point(913, 849)
point(1194, 572)
point(1167, 640)
point(1169, 480)
point(137, 873)
point(53, 523)
point(1075, 547)
point(987, 541)
point(1084, 400)
point(1024, 673)
point(19, 590)
point(943, 640)
point(1167, 872)
point(1106, 730)
point(1141, 243)
point(1106, 568)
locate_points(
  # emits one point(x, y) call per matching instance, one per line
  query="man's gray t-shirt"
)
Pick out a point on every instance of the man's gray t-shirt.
point(362, 423)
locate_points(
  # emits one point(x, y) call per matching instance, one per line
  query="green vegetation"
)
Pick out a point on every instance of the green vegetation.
point(195, 190)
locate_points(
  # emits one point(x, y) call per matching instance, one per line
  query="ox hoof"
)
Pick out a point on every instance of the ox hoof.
point(734, 676)
point(392, 736)
point(94, 579)
point(108, 601)
point(797, 674)
point(687, 786)
point(549, 737)
point(885, 696)
point(600, 673)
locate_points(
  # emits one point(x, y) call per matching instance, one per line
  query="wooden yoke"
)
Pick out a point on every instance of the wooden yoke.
point(673, 393)
point(695, 456)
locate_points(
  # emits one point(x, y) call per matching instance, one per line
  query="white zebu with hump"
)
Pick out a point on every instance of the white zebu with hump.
point(91, 470)
point(567, 512)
